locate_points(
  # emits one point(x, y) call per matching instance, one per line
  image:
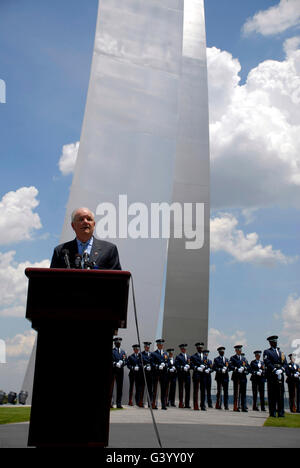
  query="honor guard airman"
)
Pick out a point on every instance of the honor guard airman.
point(183, 366)
point(276, 365)
point(172, 379)
point(119, 362)
point(146, 355)
point(240, 367)
point(198, 366)
point(258, 379)
point(221, 367)
point(134, 365)
point(208, 371)
point(159, 363)
point(293, 381)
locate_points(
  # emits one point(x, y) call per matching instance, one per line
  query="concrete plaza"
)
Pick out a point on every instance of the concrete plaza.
point(180, 428)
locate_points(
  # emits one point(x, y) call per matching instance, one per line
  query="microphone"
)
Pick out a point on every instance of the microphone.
point(66, 258)
point(86, 257)
point(78, 259)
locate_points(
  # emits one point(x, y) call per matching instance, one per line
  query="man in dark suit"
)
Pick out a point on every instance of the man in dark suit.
point(276, 365)
point(85, 247)
point(222, 367)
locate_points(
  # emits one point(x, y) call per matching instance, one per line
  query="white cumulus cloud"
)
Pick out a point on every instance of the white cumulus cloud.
point(291, 318)
point(13, 284)
point(217, 338)
point(21, 344)
point(68, 158)
point(255, 131)
point(245, 248)
point(274, 20)
point(17, 218)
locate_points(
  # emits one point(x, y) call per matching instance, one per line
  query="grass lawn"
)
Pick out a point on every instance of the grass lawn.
point(290, 420)
point(9, 415)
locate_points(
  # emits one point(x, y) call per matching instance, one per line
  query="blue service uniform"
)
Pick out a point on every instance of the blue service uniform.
point(275, 361)
point(199, 380)
point(134, 364)
point(182, 362)
point(119, 359)
point(221, 367)
point(149, 376)
point(208, 371)
point(258, 379)
point(159, 364)
point(293, 381)
point(172, 380)
point(239, 379)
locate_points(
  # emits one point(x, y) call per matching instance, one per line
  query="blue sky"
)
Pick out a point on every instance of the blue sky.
point(45, 56)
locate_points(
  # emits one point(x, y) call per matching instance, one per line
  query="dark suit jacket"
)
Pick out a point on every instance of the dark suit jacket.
point(103, 253)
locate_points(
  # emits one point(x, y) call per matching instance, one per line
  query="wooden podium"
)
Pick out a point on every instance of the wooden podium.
point(75, 313)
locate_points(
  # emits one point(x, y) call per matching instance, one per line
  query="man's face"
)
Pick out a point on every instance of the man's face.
point(160, 346)
point(83, 224)
point(257, 357)
point(147, 348)
point(238, 352)
point(183, 350)
point(200, 349)
point(117, 344)
point(136, 350)
point(222, 352)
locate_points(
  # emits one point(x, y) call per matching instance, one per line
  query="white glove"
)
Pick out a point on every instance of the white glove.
point(241, 370)
point(259, 373)
point(172, 370)
point(119, 365)
point(136, 368)
point(224, 370)
point(186, 368)
point(207, 371)
point(297, 375)
point(279, 372)
point(148, 368)
point(161, 367)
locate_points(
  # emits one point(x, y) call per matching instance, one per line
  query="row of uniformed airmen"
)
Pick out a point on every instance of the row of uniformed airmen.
point(162, 368)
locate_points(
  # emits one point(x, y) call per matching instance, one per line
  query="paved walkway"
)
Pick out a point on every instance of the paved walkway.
point(135, 415)
point(132, 428)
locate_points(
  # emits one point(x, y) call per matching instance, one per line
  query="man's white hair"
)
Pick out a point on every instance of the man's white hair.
point(74, 213)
